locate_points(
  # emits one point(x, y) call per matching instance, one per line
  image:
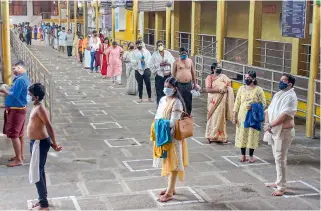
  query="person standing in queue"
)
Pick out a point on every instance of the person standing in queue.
point(183, 71)
point(140, 61)
point(16, 111)
point(160, 65)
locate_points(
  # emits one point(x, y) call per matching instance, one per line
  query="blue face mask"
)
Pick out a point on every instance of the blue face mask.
point(283, 85)
point(183, 56)
point(168, 91)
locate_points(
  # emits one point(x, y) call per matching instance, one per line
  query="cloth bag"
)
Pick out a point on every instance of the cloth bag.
point(34, 174)
point(184, 127)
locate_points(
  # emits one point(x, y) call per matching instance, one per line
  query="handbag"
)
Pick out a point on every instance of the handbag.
point(184, 127)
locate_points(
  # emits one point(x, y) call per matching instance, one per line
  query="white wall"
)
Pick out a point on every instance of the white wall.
point(34, 20)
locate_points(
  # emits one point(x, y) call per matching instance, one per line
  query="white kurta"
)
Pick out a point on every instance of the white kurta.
point(157, 59)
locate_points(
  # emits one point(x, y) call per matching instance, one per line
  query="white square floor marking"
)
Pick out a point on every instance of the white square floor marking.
point(132, 140)
point(301, 195)
point(128, 162)
point(198, 199)
point(83, 102)
point(72, 198)
point(93, 112)
point(196, 139)
point(239, 164)
point(97, 127)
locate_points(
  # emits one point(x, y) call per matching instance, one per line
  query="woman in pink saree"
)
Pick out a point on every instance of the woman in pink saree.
point(114, 62)
point(220, 104)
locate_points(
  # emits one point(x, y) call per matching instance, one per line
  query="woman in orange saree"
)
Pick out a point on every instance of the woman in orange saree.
point(220, 104)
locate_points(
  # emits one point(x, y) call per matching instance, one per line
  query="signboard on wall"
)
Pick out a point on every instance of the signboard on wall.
point(294, 18)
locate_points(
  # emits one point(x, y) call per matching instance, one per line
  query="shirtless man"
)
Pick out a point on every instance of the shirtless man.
point(38, 129)
point(279, 122)
point(183, 71)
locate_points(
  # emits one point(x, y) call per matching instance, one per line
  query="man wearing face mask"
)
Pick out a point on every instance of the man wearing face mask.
point(183, 71)
point(94, 43)
point(279, 128)
point(140, 61)
point(160, 64)
point(15, 112)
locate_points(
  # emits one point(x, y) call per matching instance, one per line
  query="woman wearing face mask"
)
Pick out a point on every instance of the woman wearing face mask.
point(220, 102)
point(114, 57)
point(170, 109)
point(246, 95)
point(103, 57)
point(130, 71)
point(160, 65)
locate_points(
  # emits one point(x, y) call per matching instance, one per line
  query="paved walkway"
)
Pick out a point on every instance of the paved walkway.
point(106, 161)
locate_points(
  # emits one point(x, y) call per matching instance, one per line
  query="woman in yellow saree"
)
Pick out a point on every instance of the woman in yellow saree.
point(171, 107)
point(220, 102)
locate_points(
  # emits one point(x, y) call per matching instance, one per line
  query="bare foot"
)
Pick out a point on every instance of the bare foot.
point(13, 158)
point(140, 100)
point(150, 100)
point(270, 185)
point(252, 159)
point(165, 198)
point(243, 159)
point(15, 163)
point(278, 193)
point(164, 192)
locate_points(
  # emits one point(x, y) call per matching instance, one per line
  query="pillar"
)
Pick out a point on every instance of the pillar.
point(314, 63)
point(85, 17)
point(97, 15)
point(168, 27)
point(59, 12)
point(158, 25)
point(175, 25)
point(195, 26)
point(75, 16)
point(135, 19)
point(220, 28)
point(6, 51)
point(68, 14)
point(255, 29)
point(113, 23)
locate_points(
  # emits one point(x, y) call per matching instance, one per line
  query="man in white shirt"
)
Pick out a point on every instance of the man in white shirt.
point(62, 39)
point(161, 65)
point(279, 128)
point(140, 62)
point(94, 44)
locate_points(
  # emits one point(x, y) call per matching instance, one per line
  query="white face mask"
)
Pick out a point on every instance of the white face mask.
point(168, 91)
point(161, 48)
point(29, 99)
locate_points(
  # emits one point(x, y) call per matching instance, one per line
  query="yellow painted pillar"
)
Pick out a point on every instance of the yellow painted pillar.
point(168, 27)
point(75, 16)
point(195, 26)
point(6, 51)
point(175, 25)
point(158, 25)
point(220, 28)
point(255, 30)
point(59, 12)
point(68, 15)
point(97, 15)
point(84, 6)
point(135, 19)
point(314, 63)
point(113, 23)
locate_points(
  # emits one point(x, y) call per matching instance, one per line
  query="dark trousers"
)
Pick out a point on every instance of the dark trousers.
point(92, 61)
point(28, 39)
point(44, 147)
point(69, 50)
point(185, 90)
point(35, 35)
point(159, 86)
point(140, 81)
point(81, 56)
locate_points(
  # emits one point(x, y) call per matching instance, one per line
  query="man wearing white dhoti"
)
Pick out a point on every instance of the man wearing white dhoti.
point(279, 128)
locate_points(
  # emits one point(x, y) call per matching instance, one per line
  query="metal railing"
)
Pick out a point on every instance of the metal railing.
point(206, 45)
point(149, 36)
point(36, 71)
point(238, 53)
point(183, 40)
point(162, 36)
point(275, 55)
point(316, 104)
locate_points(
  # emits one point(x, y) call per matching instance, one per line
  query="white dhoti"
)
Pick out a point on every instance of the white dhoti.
point(87, 59)
point(47, 40)
point(34, 173)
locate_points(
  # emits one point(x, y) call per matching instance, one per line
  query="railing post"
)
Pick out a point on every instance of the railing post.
point(314, 107)
point(265, 54)
point(283, 58)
